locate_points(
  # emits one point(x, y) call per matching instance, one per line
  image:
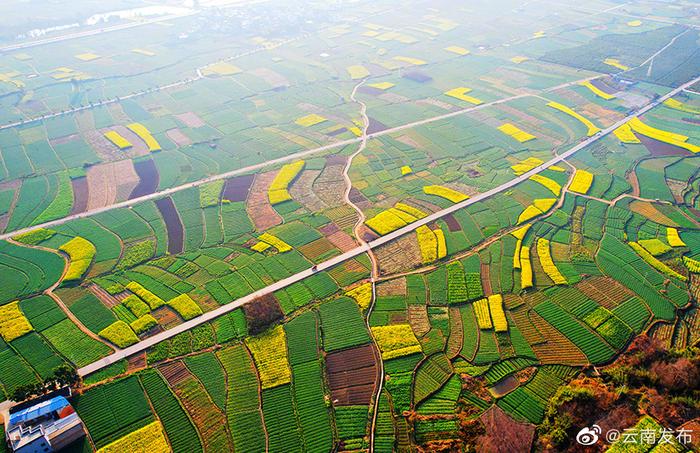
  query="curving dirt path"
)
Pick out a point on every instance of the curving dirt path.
point(50, 292)
point(374, 272)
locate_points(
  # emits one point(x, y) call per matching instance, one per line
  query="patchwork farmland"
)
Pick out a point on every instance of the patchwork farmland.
point(443, 227)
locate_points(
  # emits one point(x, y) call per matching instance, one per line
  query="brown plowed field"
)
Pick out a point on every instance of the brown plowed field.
point(605, 290)
point(400, 255)
point(342, 240)
point(329, 186)
point(395, 287)
point(418, 319)
point(107, 299)
point(454, 341)
point(351, 375)
point(190, 119)
point(81, 194)
point(174, 372)
point(302, 191)
point(136, 362)
point(557, 349)
point(178, 137)
point(107, 180)
point(503, 434)
point(258, 206)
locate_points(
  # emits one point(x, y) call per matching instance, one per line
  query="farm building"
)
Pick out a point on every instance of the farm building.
point(47, 425)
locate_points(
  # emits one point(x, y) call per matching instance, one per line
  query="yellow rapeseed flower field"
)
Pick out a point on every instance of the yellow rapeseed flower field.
point(483, 318)
point(671, 138)
point(80, 252)
point(119, 141)
point(362, 295)
point(498, 316)
point(678, 105)
point(461, 94)
point(548, 265)
point(615, 63)
point(458, 50)
point(582, 182)
point(145, 135)
point(274, 241)
point(597, 91)
point(592, 128)
point(357, 72)
point(515, 132)
point(310, 120)
point(673, 238)
point(13, 323)
point(277, 192)
point(549, 183)
point(396, 340)
point(445, 192)
point(149, 439)
point(270, 355)
point(525, 268)
point(625, 134)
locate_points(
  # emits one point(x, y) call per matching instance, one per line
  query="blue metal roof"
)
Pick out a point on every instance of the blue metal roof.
point(43, 408)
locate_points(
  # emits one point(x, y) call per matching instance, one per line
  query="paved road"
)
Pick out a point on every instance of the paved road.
point(209, 316)
point(280, 160)
point(98, 31)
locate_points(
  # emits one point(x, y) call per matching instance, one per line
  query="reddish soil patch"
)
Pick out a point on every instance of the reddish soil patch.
point(236, 189)
point(166, 317)
point(329, 229)
point(351, 375)
point(136, 362)
point(178, 137)
point(174, 372)
point(358, 198)
point(557, 349)
point(486, 278)
point(503, 434)
point(634, 182)
point(190, 119)
point(173, 223)
point(81, 194)
point(258, 206)
point(109, 182)
point(336, 159)
point(418, 319)
point(148, 178)
point(456, 338)
point(398, 317)
point(657, 148)
point(375, 126)
point(452, 223)
point(342, 240)
point(106, 298)
point(262, 312)
point(604, 290)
